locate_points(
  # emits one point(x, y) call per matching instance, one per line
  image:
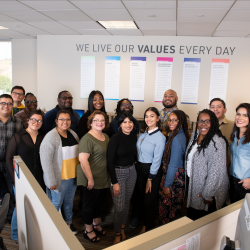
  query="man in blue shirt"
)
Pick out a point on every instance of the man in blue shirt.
point(124, 105)
point(65, 101)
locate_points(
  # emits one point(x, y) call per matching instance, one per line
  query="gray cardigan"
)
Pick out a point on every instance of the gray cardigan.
point(51, 158)
point(208, 175)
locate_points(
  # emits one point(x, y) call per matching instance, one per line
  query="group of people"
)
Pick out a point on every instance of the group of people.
point(157, 164)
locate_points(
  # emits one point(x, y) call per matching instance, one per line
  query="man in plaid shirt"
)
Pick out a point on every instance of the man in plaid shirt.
point(9, 125)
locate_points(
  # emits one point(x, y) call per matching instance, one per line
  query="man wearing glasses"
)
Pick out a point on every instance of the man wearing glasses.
point(17, 94)
point(9, 125)
point(64, 101)
point(124, 105)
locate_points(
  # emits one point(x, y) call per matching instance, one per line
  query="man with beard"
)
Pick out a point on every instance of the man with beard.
point(65, 101)
point(169, 102)
point(124, 105)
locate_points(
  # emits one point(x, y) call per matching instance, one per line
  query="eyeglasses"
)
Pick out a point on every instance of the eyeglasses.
point(29, 102)
point(34, 121)
point(6, 103)
point(101, 121)
point(64, 120)
point(173, 120)
point(16, 93)
point(126, 105)
point(66, 98)
point(206, 122)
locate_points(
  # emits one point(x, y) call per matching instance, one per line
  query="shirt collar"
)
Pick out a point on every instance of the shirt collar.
point(70, 109)
point(153, 131)
point(171, 110)
point(224, 120)
point(20, 107)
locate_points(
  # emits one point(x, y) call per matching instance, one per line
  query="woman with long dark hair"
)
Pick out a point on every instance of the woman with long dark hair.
point(240, 154)
point(172, 184)
point(95, 102)
point(150, 147)
point(206, 170)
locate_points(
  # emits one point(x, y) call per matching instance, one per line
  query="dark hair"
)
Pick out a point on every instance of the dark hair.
point(182, 123)
point(155, 110)
point(92, 116)
point(128, 115)
point(237, 130)
point(218, 99)
point(90, 101)
point(18, 87)
point(118, 107)
point(214, 129)
point(59, 95)
point(6, 96)
point(36, 112)
point(29, 93)
point(62, 111)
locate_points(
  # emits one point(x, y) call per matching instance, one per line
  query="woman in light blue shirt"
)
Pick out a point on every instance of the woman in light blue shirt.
point(150, 147)
point(240, 154)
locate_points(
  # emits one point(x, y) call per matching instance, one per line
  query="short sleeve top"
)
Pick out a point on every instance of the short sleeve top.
point(97, 161)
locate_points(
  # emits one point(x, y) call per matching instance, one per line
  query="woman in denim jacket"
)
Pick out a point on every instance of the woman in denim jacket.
point(240, 154)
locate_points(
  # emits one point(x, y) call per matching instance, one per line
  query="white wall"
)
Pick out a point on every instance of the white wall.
point(24, 64)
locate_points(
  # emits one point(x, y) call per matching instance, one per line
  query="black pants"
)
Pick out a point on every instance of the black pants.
point(236, 191)
point(147, 201)
point(91, 204)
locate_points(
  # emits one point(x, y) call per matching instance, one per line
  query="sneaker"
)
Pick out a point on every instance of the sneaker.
point(134, 223)
point(73, 229)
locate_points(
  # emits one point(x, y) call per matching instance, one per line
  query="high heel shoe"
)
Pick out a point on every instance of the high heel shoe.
point(101, 232)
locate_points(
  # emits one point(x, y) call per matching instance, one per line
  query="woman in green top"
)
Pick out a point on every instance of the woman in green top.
point(92, 173)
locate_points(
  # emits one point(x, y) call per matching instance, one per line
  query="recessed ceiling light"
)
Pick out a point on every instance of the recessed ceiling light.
point(200, 15)
point(118, 24)
point(3, 28)
point(152, 15)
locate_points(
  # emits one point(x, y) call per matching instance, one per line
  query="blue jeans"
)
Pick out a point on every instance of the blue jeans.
point(64, 196)
point(14, 234)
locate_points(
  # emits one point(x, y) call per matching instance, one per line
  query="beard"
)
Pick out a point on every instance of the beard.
point(127, 111)
point(170, 105)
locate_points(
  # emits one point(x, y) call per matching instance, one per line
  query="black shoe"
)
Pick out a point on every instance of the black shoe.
point(73, 229)
point(134, 222)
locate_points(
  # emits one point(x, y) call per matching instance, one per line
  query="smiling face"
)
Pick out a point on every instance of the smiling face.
point(241, 118)
point(34, 122)
point(98, 102)
point(98, 123)
point(30, 105)
point(17, 95)
point(5, 110)
point(151, 119)
point(63, 122)
point(169, 99)
point(127, 126)
point(204, 124)
point(65, 100)
point(172, 121)
point(126, 106)
point(218, 108)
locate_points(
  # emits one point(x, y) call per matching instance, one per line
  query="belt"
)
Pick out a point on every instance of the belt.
point(2, 160)
point(122, 167)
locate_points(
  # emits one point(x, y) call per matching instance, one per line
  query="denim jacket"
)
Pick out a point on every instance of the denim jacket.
point(240, 158)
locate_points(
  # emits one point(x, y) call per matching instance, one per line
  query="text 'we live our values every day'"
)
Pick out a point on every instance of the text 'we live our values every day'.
point(171, 49)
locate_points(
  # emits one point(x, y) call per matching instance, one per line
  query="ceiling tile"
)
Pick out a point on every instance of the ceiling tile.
point(230, 33)
point(160, 14)
point(194, 32)
point(27, 16)
point(197, 25)
point(116, 32)
point(34, 32)
point(242, 5)
point(159, 32)
point(210, 15)
point(238, 15)
point(4, 18)
point(82, 5)
point(83, 25)
point(150, 4)
point(205, 4)
point(63, 32)
point(109, 14)
point(12, 6)
point(13, 34)
point(49, 5)
point(234, 25)
point(94, 32)
point(4, 37)
point(67, 15)
point(15, 25)
point(47, 25)
point(156, 25)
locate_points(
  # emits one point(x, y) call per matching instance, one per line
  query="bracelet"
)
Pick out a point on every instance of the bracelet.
point(149, 179)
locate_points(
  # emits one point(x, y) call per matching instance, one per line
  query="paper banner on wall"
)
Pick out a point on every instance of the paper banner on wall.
point(137, 78)
point(87, 75)
point(112, 77)
point(190, 80)
point(163, 80)
point(218, 80)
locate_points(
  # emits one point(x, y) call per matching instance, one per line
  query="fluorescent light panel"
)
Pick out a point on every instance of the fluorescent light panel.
point(118, 24)
point(3, 28)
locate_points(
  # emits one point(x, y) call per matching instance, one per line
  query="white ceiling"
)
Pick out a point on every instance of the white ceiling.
point(29, 18)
